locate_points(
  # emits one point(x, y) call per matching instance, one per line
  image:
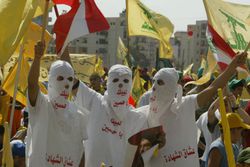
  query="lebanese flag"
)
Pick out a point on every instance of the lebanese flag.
point(224, 53)
point(83, 18)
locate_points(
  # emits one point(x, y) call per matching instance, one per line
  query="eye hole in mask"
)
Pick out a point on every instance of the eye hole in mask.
point(115, 80)
point(160, 82)
point(60, 78)
point(70, 79)
point(126, 80)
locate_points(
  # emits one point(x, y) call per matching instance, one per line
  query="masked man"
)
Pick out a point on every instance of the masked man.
point(176, 114)
point(56, 127)
point(111, 121)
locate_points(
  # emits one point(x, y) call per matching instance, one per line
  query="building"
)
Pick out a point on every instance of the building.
point(192, 45)
point(104, 44)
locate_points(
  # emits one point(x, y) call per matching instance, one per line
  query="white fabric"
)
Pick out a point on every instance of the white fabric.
point(118, 89)
point(75, 31)
point(55, 137)
point(162, 96)
point(202, 125)
point(144, 100)
point(107, 134)
point(181, 131)
point(57, 92)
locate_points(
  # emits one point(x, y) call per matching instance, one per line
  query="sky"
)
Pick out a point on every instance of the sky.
point(180, 12)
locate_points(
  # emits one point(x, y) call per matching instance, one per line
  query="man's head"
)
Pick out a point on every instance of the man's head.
point(95, 81)
point(243, 159)
point(61, 76)
point(236, 86)
point(164, 86)
point(236, 126)
point(18, 152)
point(119, 85)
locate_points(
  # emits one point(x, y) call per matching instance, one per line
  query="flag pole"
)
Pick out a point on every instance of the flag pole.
point(226, 131)
point(16, 84)
point(56, 11)
point(45, 19)
point(128, 53)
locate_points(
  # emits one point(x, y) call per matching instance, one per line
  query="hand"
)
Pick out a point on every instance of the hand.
point(39, 49)
point(239, 59)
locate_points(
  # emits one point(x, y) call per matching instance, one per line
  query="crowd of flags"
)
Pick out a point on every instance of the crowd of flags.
point(227, 33)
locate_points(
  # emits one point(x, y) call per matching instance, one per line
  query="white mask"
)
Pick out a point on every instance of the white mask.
point(163, 93)
point(118, 88)
point(60, 84)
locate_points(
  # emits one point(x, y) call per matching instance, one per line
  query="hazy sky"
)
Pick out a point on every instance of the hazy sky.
point(180, 12)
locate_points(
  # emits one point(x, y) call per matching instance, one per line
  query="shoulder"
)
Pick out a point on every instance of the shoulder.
point(143, 109)
point(217, 144)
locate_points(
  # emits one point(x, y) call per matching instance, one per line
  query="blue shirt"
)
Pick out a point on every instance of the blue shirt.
point(221, 147)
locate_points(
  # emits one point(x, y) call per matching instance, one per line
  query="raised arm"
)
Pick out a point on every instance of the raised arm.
point(33, 87)
point(211, 118)
point(221, 81)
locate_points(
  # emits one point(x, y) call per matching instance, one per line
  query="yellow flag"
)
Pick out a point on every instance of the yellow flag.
point(98, 67)
point(122, 52)
point(231, 21)
point(4, 107)
point(84, 65)
point(31, 37)
point(226, 131)
point(203, 63)
point(7, 159)
point(9, 83)
point(15, 17)
point(144, 22)
point(188, 70)
point(137, 87)
point(211, 67)
point(40, 7)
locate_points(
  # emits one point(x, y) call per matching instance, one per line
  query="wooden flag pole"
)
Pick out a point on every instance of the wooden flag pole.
point(16, 84)
point(45, 19)
point(56, 11)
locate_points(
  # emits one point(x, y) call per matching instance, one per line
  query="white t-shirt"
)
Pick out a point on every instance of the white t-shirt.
point(55, 139)
point(202, 125)
point(107, 135)
point(181, 135)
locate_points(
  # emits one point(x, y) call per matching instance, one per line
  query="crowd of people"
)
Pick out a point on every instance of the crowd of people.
point(173, 124)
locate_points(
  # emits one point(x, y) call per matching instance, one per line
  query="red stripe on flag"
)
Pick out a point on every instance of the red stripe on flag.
point(221, 45)
point(220, 42)
point(94, 18)
point(63, 24)
point(65, 2)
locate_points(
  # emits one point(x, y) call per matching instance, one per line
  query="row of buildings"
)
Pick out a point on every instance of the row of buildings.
point(189, 46)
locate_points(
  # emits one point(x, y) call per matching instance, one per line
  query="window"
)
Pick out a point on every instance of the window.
point(102, 50)
point(83, 50)
point(103, 41)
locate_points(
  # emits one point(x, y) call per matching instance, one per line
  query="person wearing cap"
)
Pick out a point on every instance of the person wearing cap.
point(243, 159)
point(18, 153)
point(236, 87)
point(217, 156)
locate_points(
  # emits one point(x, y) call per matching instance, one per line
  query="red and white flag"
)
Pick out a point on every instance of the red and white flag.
point(228, 30)
point(222, 52)
point(82, 19)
